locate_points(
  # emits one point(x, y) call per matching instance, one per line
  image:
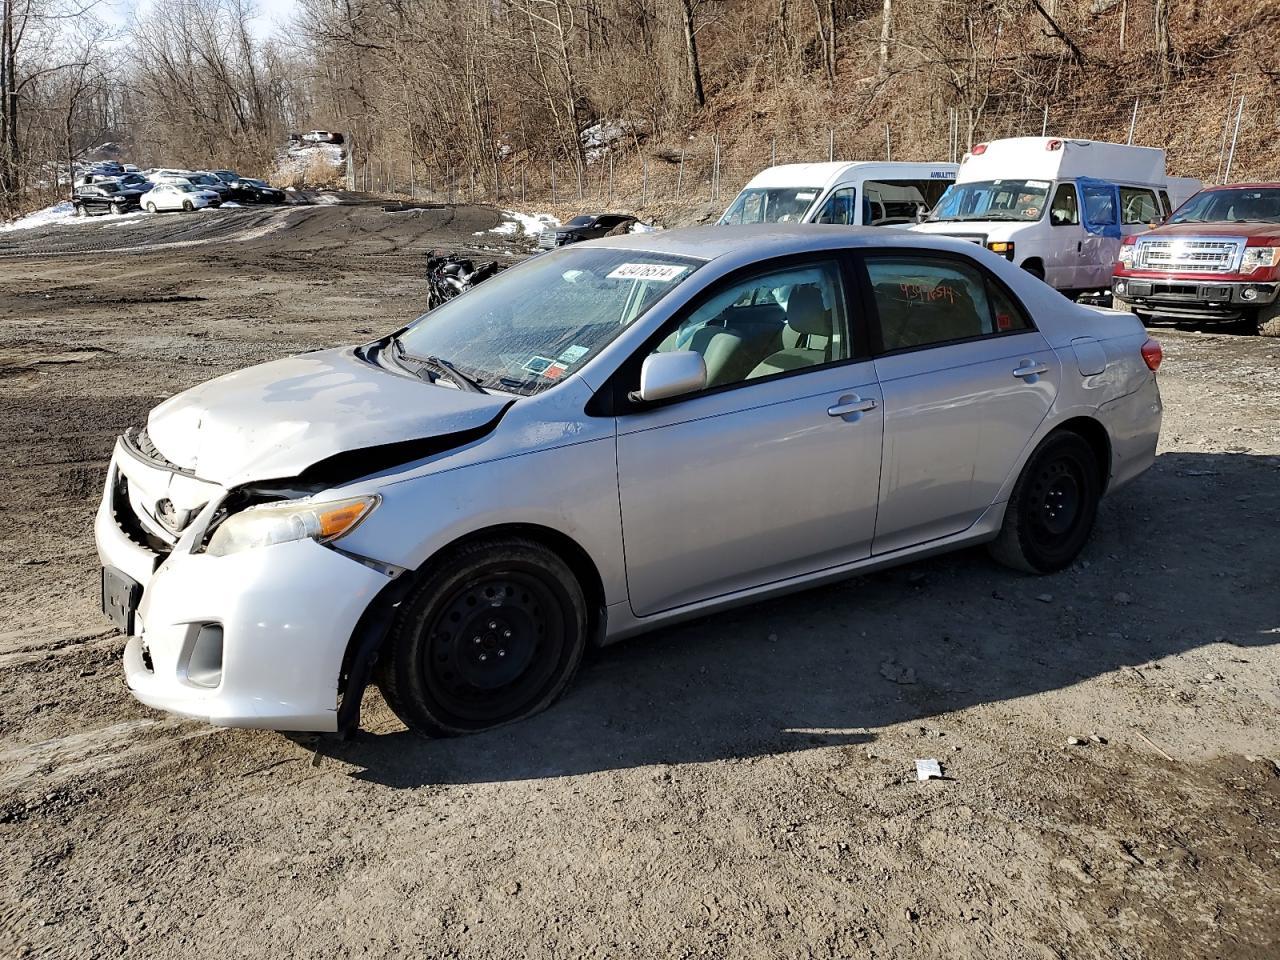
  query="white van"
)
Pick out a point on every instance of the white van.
point(875, 194)
point(1058, 208)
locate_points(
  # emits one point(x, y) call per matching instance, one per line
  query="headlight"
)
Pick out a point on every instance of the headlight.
point(1255, 258)
point(1126, 254)
point(270, 523)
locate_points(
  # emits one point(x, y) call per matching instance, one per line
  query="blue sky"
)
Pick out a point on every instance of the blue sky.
point(270, 13)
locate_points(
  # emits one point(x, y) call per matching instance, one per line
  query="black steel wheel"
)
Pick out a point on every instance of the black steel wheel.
point(1053, 507)
point(492, 635)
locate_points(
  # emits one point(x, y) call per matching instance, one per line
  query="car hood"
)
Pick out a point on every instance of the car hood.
point(275, 420)
point(1267, 233)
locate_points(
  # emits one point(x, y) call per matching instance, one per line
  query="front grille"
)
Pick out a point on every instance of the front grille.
point(979, 238)
point(547, 239)
point(139, 441)
point(127, 520)
point(1193, 254)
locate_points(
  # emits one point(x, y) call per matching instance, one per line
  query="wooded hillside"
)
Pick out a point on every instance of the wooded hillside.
point(492, 98)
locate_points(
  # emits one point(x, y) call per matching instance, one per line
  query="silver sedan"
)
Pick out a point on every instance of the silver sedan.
point(604, 439)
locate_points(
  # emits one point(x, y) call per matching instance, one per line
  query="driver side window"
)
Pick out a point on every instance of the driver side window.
point(767, 324)
point(1065, 209)
point(840, 207)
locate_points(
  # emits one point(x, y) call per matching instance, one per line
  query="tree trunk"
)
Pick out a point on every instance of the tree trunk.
point(691, 48)
point(886, 30)
point(1164, 49)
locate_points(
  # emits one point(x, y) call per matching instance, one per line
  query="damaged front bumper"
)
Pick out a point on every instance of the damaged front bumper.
point(253, 639)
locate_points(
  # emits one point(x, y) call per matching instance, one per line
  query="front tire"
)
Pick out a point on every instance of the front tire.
point(492, 635)
point(188, 206)
point(1053, 507)
point(151, 208)
point(1269, 321)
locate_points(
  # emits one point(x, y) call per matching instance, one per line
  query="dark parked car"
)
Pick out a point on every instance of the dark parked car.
point(250, 190)
point(105, 197)
point(590, 226)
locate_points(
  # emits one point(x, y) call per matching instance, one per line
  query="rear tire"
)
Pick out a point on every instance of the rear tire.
point(493, 634)
point(117, 209)
point(188, 206)
point(80, 210)
point(1269, 321)
point(1053, 507)
point(151, 208)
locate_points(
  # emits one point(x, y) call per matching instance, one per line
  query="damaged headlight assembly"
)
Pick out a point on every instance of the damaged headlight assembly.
point(280, 522)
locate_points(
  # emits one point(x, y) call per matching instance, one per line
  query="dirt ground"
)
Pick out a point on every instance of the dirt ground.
point(738, 786)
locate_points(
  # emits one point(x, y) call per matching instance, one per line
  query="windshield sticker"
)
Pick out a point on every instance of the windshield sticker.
point(537, 364)
point(662, 272)
point(572, 354)
point(555, 371)
point(806, 195)
point(1038, 184)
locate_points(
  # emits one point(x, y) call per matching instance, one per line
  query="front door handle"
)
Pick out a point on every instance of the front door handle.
point(846, 406)
point(1029, 368)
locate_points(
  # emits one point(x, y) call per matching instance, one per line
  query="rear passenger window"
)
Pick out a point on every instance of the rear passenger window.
point(922, 302)
point(1138, 206)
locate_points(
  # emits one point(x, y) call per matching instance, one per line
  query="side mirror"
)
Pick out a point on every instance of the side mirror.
point(672, 374)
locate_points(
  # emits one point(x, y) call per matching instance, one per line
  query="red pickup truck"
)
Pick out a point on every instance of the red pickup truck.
point(1216, 258)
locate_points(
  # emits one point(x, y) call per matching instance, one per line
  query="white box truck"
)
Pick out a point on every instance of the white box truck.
point(869, 193)
point(1059, 208)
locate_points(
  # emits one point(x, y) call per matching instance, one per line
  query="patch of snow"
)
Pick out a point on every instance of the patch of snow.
point(528, 224)
point(598, 138)
point(327, 198)
point(58, 213)
point(639, 227)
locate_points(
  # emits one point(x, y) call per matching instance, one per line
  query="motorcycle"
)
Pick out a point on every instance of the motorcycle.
point(449, 275)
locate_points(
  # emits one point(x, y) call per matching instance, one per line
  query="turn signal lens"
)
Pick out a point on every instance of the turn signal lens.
point(1152, 354)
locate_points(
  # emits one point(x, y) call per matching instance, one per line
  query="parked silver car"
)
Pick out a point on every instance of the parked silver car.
point(606, 438)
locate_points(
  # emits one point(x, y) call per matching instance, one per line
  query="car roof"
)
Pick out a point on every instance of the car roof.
point(1245, 186)
point(761, 240)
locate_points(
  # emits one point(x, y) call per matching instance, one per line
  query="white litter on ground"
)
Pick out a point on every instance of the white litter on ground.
point(928, 770)
point(327, 198)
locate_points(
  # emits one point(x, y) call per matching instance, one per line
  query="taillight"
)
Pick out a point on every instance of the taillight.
point(979, 150)
point(1152, 354)
point(1053, 145)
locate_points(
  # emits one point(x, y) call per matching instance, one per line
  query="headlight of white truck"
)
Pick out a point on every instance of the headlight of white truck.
point(1258, 257)
point(1127, 254)
point(270, 523)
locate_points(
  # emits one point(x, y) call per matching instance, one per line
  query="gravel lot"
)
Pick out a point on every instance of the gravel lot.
point(738, 786)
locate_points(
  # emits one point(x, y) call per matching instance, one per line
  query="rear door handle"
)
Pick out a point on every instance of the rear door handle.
point(1029, 368)
point(850, 405)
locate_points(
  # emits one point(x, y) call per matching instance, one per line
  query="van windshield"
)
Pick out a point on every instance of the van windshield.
point(993, 200)
point(1246, 205)
point(771, 205)
point(537, 323)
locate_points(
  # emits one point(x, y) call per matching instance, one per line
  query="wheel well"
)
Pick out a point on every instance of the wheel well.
point(366, 640)
point(1094, 434)
point(566, 548)
point(1034, 265)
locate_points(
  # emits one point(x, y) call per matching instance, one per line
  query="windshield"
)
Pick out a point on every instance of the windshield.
point(771, 205)
point(201, 178)
point(1231, 206)
point(534, 324)
point(580, 222)
point(993, 200)
point(186, 187)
